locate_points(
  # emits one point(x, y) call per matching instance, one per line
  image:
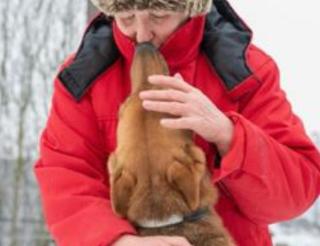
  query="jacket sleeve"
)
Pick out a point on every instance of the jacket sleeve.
point(72, 176)
point(272, 171)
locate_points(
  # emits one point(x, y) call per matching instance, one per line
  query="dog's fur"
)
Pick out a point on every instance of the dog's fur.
point(156, 172)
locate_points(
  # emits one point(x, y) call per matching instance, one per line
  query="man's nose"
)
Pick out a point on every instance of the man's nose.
point(144, 33)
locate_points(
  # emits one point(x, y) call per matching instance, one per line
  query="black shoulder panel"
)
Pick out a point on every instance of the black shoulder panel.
point(225, 41)
point(97, 52)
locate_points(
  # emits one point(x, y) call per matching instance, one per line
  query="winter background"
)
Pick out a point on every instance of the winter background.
point(36, 35)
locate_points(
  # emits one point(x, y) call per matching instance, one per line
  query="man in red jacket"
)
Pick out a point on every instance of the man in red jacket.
point(222, 87)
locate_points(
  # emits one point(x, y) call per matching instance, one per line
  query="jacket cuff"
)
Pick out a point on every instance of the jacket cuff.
point(233, 160)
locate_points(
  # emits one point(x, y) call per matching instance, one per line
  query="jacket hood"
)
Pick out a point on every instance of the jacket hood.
point(221, 35)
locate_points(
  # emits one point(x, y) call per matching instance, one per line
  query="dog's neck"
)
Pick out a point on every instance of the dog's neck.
point(142, 85)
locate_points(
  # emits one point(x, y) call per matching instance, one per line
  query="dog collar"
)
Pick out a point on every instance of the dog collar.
point(174, 219)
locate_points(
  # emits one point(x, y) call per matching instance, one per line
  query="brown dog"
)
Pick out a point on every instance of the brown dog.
point(159, 180)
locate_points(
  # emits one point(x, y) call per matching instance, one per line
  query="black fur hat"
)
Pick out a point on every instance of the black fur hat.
point(194, 7)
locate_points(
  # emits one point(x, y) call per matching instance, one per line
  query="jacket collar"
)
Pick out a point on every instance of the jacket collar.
point(179, 49)
point(225, 42)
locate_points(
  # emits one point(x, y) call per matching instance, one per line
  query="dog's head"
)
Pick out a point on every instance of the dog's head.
point(147, 61)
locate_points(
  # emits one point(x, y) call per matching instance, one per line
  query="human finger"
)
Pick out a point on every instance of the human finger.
point(177, 241)
point(171, 82)
point(180, 123)
point(173, 108)
point(167, 95)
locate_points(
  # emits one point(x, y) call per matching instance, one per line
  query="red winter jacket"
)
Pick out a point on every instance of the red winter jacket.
point(270, 174)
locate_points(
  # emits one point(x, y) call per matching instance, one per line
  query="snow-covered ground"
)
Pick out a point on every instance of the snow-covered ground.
point(303, 231)
point(289, 234)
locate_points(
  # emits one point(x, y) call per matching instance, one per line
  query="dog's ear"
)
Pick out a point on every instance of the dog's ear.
point(122, 183)
point(187, 179)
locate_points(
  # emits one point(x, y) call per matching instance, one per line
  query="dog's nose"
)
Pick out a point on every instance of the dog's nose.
point(145, 47)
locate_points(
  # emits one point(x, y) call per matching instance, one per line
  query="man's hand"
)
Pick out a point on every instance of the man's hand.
point(193, 109)
point(130, 240)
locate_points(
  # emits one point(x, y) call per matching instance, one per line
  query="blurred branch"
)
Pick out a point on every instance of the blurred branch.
point(36, 36)
point(23, 101)
point(4, 39)
point(91, 10)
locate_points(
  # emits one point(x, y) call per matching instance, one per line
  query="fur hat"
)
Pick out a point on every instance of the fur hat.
point(194, 7)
